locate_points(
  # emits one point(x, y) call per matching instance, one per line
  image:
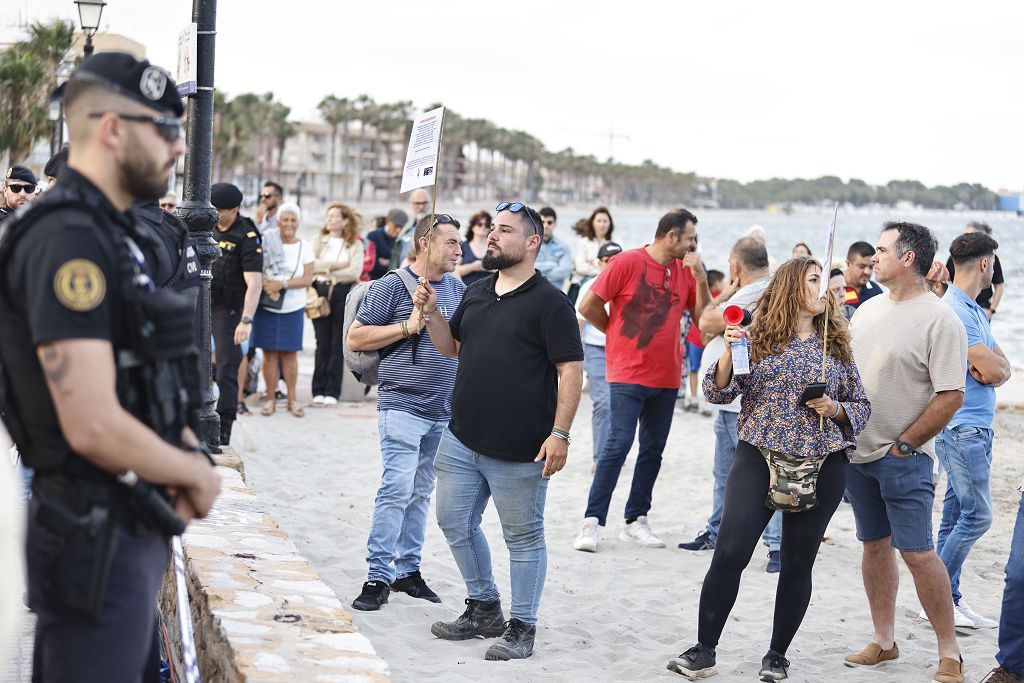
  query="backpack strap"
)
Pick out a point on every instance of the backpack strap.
point(411, 285)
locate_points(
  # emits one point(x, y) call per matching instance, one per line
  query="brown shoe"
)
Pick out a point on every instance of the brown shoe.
point(872, 656)
point(950, 671)
point(1001, 675)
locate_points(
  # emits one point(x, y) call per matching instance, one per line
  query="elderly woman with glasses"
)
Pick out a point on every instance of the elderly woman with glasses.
point(472, 268)
point(277, 327)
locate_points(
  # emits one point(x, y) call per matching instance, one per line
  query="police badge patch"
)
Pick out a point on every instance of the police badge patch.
point(79, 285)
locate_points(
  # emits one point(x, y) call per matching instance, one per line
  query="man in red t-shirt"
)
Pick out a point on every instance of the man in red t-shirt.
point(647, 291)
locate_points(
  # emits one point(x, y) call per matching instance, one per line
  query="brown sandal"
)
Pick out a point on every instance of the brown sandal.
point(268, 408)
point(296, 410)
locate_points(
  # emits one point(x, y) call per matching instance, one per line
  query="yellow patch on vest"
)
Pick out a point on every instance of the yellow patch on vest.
point(80, 285)
point(251, 233)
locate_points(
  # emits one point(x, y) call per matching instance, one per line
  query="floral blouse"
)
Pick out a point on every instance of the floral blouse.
point(770, 416)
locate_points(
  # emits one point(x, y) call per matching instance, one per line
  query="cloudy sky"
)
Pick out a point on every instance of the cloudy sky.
point(875, 90)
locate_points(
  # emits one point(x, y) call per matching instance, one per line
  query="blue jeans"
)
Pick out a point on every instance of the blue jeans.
point(632, 404)
point(726, 440)
point(1011, 619)
point(594, 365)
point(465, 481)
point(966, 455)
point(408, 445)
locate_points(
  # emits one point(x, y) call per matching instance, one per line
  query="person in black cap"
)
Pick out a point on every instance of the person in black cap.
point(19, 189)
point(99, 380)
point(234, 296)
point(54, 166)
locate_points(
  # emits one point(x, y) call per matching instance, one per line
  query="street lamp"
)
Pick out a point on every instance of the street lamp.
point(89, 13)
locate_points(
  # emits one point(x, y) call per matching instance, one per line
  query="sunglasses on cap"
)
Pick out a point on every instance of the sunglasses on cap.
point(168, 127)
point(445, 218)
point(519, 207)
point(18, 189)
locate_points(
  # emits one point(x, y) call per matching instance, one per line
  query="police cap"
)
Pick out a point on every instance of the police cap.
point(22, 173)
point(56, 164)
point(133, 78)
point(225, 196)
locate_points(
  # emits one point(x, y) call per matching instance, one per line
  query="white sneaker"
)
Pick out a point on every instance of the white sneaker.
point(640, 532)
point(589, 534)
point(960, 620)
point(978, 620)
point(330, 401)
point(318, 401)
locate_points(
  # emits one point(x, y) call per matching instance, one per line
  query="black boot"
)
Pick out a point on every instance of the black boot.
point(226, 423)
point(481, 619)
point(515, 643)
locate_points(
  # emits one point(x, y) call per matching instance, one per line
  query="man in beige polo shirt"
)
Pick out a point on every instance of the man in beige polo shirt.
point(911, 351)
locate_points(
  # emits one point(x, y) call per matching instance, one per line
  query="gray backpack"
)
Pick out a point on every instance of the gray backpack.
point(364, 364)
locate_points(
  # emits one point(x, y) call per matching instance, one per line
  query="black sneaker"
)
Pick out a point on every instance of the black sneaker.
point(515, 643)
point(697, 662)
point(702, 542)
point(774, 667)
point(415, 586)
point(375, 594)
point(774, 565)
point(481, 619)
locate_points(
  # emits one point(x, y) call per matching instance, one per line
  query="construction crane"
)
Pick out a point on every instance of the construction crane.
point(611, 134)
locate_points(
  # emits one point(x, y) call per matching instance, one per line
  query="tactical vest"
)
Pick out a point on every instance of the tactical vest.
point(228, 286)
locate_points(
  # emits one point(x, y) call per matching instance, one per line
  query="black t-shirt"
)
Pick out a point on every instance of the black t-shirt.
point(384, 243)
point(506, 389)
point(241, 252)
point(985, 296)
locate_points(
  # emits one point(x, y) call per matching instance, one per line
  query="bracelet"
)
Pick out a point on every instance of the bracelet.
point(560, 434)
point(405, 329)
point(839, 406)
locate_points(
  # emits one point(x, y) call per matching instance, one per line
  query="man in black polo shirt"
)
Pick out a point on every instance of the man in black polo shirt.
point(516, 393)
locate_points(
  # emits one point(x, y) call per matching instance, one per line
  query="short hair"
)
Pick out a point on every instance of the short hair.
point(915, 238)
point(423, 226)
point(277, 188)
point(751, 252)
point(293, 209)
point(972, 246)
point(474, 219)
point(835, 271)
point(673, 220)
point(591, 233)
point(548, 211)
point(861, 249)
point(981, 226)
point(715, 276)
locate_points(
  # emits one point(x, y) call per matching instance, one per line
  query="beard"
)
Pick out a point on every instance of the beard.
point(141, 176)
point(500, 261)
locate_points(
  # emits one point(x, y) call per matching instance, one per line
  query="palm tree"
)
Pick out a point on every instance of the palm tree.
point(50, 43)
point(364, 110)
point(336, 111)
point(22, 111)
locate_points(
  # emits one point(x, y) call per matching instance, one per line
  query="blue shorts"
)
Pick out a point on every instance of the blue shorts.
point(892, 497)
point(693, 355)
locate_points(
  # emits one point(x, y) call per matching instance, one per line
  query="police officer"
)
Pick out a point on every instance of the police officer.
point(234, 295)
point(19, 189)
point(98, 380)
point(176, 264)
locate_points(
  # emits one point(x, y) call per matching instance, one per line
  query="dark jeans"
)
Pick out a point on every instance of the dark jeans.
point(329, 362)
point(745, 517)
point(632, 404)
point(1011, 619)
point(229, 357)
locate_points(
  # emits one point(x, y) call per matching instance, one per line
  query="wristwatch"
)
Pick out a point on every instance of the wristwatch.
point(903, 448)
point(246, 320)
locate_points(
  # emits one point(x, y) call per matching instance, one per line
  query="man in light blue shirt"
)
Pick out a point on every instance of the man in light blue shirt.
point(964, 447)
point(554, 260)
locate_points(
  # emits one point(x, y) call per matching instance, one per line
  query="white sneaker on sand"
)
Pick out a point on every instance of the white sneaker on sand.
point(960, 620)
point(640, 532)
point(979, 621)
point(330, 401)
point(318, 401)
point(588, 536)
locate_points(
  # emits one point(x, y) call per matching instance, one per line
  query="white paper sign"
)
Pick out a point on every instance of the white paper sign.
point(826, 263)
point(424, 147)
point(186, 77)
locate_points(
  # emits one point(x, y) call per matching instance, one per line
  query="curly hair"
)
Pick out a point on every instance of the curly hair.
point(353, 229)
point(775, 322)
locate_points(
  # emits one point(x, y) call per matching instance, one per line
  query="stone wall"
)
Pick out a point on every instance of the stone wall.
point(261, 612)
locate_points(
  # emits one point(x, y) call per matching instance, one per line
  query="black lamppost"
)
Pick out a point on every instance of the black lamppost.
point(195, 208)
point(89, 14)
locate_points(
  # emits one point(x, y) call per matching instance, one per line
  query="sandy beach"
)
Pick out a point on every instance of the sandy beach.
point(620, 614)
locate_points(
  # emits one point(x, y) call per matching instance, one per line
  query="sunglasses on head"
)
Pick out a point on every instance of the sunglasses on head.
point(18, 189)
point(446, 219)
point(517, 207)
point(167, 127)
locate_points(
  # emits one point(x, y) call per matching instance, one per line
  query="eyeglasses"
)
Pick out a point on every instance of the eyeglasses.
point(18, 189)
point(446, 219)
point(268, 195)
point(517, 207)
point(168, 127)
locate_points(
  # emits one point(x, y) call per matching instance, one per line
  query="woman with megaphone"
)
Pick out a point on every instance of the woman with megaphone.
point(798, 368)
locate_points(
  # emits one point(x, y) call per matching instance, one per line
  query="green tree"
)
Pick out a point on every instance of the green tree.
point(22, 111)
point(337, 112)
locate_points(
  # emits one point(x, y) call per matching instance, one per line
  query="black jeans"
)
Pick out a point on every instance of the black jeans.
point(329, 362)
point(744, 518)
point(229, 357)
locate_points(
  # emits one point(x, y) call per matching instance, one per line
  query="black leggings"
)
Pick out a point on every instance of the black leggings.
point(744, 518)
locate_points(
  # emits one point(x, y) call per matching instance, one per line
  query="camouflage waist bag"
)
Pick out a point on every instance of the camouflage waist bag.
point(793, 481)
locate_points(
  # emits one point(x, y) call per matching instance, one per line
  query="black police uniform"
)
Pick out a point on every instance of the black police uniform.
point(175, 262)
point(71, 267)
point(5, 213)
point(241, 252)
point(22, 173)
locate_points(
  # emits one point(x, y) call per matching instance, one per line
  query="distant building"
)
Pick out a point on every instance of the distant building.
point(1011, 201)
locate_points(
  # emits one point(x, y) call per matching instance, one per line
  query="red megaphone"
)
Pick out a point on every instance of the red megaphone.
point(734, 315)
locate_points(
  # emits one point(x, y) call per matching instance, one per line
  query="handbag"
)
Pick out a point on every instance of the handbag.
point(318, 305)
point(793, 480)
point(269, 303)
